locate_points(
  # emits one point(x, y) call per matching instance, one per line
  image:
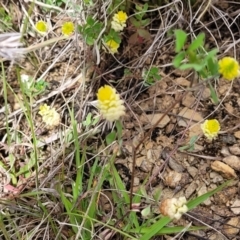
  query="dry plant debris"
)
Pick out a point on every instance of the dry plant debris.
point(99, 100)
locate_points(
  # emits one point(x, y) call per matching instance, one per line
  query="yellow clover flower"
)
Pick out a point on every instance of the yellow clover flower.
point(49, 116)
point(41, 26)
point(112, 46)
point(109, 103)
point(119, 21)
point(120, 17)
point(210, 128)
point(229, 68)
point(174, 208)
point(67, 28)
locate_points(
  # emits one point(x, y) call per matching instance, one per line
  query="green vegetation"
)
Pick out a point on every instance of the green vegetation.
point(61, 145)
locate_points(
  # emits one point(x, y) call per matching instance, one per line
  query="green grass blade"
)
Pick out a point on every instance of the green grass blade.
point(155, 228)
point(195, 202)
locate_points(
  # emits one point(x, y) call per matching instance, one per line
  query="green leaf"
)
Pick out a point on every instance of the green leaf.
point(195, 66)
point(90, 21)
point(181, 38)
point(212, 66)
point(88, 120)
point(135, 22)
point(145, 7)
point(214, 96)
point(119, 129)
point(144, 33)
point(178, 59)
point(89, 40)
point(145, 22)
point(211, 54)
point(157, 194)
point(111, 137)
point(196, 43)
point(95, 121)
point(143, 191)
point(146, 211)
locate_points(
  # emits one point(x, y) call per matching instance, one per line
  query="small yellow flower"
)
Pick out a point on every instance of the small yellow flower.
point(210, 128)
point(109, 103)
point(119, 21)
point(41, 26)
point(44, 109)
point(49, 116)
point(174, 208)
point(112, 46)
point(229, 68)
point(120, 17)
point(67, 28)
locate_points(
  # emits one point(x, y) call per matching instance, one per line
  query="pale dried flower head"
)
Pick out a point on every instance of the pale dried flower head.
point(119, 21)
point(109, 103)
point(173, 207)
point(49, 116)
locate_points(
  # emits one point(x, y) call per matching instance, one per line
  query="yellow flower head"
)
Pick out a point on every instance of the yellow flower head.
point(120, 17)
point(67, 28)
point(41, 26)
point(173, 207)
point(229, 68)
point(109, 103)
point(210, 128)
point(49, 116)
point(112, 46)
point(119, 21)
point(44, 109)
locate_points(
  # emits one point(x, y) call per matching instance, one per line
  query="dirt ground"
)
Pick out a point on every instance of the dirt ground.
point(179, 98)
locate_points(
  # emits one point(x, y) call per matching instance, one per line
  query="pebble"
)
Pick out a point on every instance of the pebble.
point(229, 108)
point(237, 134)
point(225, 152)
point(228, 139)
point(206, 94)
point(190, 189)
point(225, 196)
point(182, 82)
point(136, 181)
point(195, 130)
point(174, 165)
point(153, 118)
point(231, 228)
point(172, 179)
point(201, 191)
point(192, 171)
point(235, 149)
point(235, 208)
point(188, 100)
point(143, 164)
point(224, 169)
point(186, 114)
point(232, 161)
point(175, 179)
point(216, 177)
point(217, 236)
